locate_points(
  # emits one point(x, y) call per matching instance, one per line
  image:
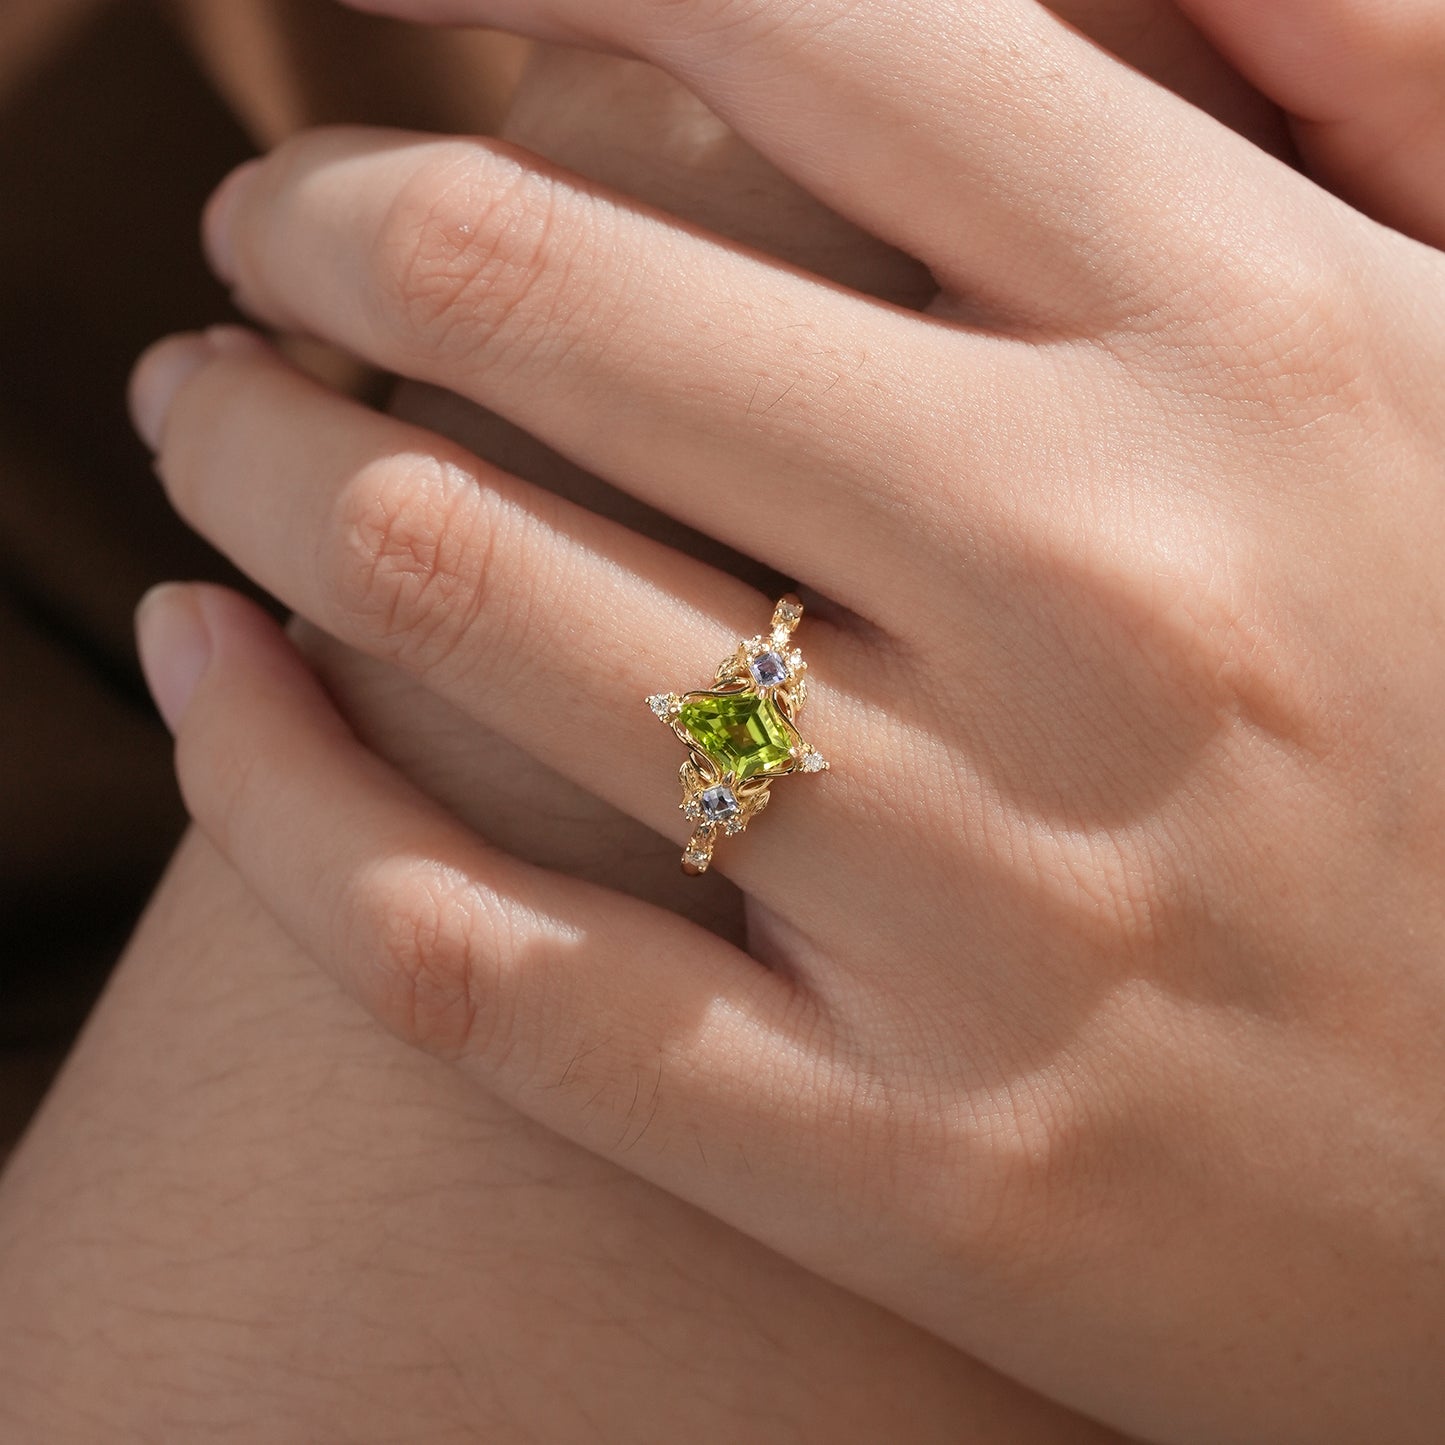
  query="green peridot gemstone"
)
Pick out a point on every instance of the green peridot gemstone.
point(743, 733)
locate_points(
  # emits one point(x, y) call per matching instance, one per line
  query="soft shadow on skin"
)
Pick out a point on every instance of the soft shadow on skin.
point(1114, 698)
point(242, 1181)
point(670, 151)
point(1094, 698)
point(1059, 661)
point(528, 809)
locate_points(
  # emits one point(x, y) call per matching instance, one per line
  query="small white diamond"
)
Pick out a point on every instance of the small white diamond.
point(661, 704)
point(815, 763)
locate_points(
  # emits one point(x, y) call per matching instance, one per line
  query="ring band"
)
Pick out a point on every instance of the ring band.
point(741, 734)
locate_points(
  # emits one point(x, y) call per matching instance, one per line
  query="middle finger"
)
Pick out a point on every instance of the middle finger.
point(729, 390)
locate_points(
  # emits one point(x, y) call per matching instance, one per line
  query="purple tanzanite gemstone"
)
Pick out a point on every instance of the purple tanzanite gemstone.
point(768, 669)
point(719, 804)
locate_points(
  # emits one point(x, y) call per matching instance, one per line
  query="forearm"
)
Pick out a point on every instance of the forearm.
point(244, 1206)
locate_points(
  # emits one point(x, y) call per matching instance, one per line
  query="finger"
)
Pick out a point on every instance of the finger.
point(1365, 82)
point(628, 125)
point(538, 618)
point(1156, 39)
point(727, 390)
point(618, 1024)
point(1018, 160)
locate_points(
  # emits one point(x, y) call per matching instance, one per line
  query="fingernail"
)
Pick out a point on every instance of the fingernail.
point(175, 647)
point(218, 221)
point(158, 376)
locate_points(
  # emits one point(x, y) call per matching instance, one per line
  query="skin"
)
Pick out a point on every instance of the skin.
point(1360, 81)
point(248, 1214)
point(235, 1023)
point(1083, 631)
point(202, 1160)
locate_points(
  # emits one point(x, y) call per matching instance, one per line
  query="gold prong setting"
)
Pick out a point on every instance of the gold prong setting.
point(741, 735)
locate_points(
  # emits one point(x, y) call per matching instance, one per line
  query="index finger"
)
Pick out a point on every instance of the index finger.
point(1028, 168)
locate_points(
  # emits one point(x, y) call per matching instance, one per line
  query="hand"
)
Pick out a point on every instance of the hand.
point(225, 1098)
point(635, 129)
point(1138, 987)
point(290, 1101)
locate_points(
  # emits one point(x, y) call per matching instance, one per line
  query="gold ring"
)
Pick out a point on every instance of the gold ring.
point(742, 734)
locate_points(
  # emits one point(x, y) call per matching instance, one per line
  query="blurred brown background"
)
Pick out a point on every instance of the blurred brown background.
point(116, 119)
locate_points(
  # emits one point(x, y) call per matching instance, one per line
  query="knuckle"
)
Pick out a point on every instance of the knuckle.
point(1275, 329)
point(1042, 1141)
point(412, 558)
point(469, 254)
point(1287, 323)
point(988, 1173)
point(441, 956)
point(1305, 326)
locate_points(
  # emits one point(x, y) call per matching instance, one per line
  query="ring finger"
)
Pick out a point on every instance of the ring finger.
point(539, 618)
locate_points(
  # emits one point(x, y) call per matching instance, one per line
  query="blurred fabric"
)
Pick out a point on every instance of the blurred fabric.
point(116, 119)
